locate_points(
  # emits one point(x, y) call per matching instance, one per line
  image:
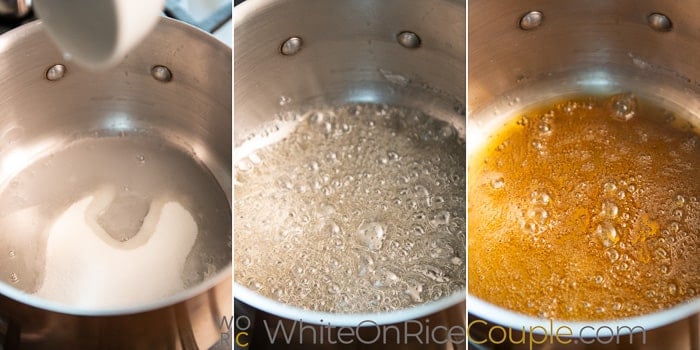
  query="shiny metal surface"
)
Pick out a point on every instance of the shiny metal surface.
point(350, 54)
point(583, 47)
point(191, 324)
point(161, 73)
point(601, 41)
point(344, 53)
point(291, 46)
point(54, 105)
point(531, 20)
point(659, 22)
point(56, 72)
point(408, 40)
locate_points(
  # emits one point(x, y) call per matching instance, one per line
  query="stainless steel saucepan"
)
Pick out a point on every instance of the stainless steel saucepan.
point(173, 93)
point(295, 55)
point(522, 53)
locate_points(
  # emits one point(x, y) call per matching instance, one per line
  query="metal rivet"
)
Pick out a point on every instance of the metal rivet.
point(56, 72)
point(659, 22)
point(291, 46)
point(531, 20)
point(161, 73)
point(409, 40)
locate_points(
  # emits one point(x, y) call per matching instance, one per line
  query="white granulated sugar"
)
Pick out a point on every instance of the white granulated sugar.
point(86, 267)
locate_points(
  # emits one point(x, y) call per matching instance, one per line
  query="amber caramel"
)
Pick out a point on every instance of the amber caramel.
point(586, 209)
